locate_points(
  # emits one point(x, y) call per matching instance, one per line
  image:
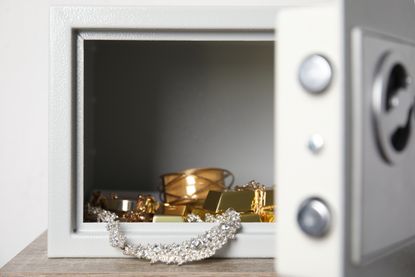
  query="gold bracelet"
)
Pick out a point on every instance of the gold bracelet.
point(191, 186)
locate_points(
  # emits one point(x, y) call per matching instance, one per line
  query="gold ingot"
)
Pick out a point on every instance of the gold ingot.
point(181, 210)
point(250, 217)
point(167, 218)
point(240, 201)
point(191, 186)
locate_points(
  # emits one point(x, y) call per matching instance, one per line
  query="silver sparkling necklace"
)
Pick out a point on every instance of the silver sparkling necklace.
point(194, 249)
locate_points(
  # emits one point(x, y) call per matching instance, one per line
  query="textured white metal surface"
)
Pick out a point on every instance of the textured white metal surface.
point(299, 173)
point(68, 237)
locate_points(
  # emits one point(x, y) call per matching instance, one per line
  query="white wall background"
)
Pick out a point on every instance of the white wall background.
point(24, 40)
point(23, 123)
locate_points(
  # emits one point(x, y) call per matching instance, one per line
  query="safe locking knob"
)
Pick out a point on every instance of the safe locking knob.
point(314, 217)
point(315, 74)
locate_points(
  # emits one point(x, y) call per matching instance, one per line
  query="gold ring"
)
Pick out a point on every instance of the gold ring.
point(120, 205)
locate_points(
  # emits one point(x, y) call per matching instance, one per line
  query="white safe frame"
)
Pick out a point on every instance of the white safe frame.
point(333, 28)
point(70, 236)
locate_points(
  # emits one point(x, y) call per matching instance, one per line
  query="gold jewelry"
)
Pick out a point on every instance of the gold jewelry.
point(191, 186)
point(141, 209)
point(197, 248)
point(253, 200)
point(97, 199)
point(120, 205)
point(263, 202)
point(146, 204)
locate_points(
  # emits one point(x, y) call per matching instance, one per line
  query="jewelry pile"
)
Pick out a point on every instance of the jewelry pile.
point(192, 195)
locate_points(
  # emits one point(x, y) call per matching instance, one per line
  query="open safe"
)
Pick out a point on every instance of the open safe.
point(316, 97)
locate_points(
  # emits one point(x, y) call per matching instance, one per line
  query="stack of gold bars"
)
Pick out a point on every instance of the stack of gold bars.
point(199, 191)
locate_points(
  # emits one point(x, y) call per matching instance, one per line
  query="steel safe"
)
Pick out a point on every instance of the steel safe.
point(316, 97)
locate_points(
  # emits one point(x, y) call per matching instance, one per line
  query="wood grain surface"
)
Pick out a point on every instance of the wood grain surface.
point(33, 261)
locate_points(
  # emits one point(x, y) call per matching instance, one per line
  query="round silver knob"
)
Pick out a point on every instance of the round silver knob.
point(315, 74)
point(314, 217)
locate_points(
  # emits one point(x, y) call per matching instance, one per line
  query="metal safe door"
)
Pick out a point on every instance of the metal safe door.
point(383, 205)
point(309, 143)
point(345, 148)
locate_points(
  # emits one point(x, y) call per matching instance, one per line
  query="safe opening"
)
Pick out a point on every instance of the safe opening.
point(153, 107)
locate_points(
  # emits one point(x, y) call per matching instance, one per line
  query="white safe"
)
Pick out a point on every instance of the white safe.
point(316, 97)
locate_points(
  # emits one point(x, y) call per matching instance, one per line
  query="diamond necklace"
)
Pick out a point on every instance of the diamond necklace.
point(194, 249)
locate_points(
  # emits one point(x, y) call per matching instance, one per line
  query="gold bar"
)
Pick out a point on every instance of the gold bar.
point(240, 201)
point(181, 210)
point(250, 217)
point(167, 218)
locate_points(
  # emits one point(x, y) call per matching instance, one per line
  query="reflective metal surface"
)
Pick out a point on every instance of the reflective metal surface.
point(315, 74)
point(314, 217)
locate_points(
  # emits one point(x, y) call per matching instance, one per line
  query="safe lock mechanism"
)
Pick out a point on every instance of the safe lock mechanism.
point(393, 107)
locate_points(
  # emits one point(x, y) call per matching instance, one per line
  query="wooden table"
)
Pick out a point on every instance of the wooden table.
point(33, 261)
